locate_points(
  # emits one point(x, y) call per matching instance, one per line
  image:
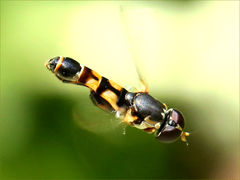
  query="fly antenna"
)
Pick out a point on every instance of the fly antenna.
point(183, 137)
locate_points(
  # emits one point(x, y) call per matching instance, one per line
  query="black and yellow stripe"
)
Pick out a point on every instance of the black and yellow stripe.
point(103, 89)
point(101, 86)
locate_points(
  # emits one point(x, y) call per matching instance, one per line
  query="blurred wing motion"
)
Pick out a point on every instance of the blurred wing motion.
point(137, 109)
point(144, 87)
point(94, 120)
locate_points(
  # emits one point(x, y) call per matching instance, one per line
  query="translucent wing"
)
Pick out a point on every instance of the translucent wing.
point(144, 87)
point(93, 119)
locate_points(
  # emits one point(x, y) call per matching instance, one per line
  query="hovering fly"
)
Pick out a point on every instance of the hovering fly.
point(138, 109)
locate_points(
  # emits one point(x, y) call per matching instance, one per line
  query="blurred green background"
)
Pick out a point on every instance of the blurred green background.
point(188, 52)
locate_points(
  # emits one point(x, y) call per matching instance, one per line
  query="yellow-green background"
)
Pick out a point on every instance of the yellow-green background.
point(188, 52)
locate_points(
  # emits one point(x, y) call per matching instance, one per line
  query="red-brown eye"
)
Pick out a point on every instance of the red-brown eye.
point(172, 128)
point(177, 117)
point(169, 134)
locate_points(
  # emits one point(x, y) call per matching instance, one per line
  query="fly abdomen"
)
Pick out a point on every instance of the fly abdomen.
point(69, 70)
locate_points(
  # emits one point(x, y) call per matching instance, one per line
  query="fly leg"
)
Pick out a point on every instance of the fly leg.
point(153, 125)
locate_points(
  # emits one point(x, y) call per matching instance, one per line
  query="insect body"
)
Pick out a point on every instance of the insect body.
point(137, 109)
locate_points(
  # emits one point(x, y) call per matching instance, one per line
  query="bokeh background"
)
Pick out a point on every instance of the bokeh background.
point(187, 51)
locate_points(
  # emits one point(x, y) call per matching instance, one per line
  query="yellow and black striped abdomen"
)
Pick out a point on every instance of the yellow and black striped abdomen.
point(105, 93)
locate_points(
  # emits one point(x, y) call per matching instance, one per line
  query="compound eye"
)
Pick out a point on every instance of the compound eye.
point(176, 118)
point(173, 128)
point(52, 63)
point(169, 134)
